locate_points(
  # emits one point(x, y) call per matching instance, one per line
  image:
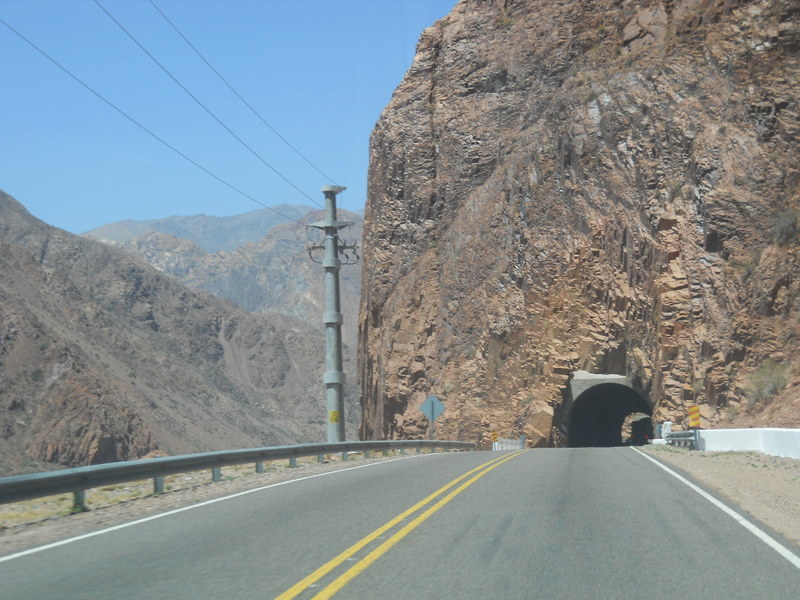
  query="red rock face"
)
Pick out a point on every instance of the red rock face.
point(604, 185)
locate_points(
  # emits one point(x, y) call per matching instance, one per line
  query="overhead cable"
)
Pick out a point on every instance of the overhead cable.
point(138, 124)
point(204, 107)
point(238, 95)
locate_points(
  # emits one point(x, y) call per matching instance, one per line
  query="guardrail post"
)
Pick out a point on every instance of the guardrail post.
point(79, 502)
point(320, 458)
point(259, 466)
point(419, 449)
point(367, 454)
point(292, 462)
point(385, 452)
point(65, 481)
point(345, 456)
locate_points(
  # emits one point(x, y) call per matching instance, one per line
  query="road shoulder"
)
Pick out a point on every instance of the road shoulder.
point(765, 487)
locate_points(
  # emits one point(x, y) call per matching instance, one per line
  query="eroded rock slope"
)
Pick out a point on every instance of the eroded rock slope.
point(103, 358)
point(272, 274)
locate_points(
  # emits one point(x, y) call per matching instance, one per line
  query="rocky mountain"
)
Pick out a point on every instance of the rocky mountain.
point(210, 233)
point(104, 358)
point(273, 274)
point(611, 186)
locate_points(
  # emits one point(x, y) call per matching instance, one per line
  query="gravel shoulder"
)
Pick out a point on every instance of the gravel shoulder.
point(766, 487)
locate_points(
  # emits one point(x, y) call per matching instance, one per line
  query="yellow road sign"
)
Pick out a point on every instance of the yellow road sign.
point(694, 416)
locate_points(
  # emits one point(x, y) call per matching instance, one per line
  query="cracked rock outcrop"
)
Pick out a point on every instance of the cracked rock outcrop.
point(610, 186)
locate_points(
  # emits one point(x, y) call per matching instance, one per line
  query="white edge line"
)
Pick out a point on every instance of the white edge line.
point(759, 533)
point(185, 508)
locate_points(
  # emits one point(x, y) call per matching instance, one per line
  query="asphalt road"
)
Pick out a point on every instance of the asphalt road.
point(561, 523)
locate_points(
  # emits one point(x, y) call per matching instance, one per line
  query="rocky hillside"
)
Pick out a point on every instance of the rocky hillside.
point(210, 233)
point(611, 186)
point(103, 358)
point(273, 274)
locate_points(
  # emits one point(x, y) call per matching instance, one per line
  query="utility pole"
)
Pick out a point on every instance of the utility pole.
point(333, 378)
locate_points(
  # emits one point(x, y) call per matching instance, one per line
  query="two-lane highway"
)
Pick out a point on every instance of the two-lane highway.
point(558, 523)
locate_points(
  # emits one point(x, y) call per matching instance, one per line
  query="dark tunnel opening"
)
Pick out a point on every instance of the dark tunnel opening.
point(597, 415)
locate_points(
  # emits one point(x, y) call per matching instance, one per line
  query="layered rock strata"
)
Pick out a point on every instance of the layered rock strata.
point(610, 186)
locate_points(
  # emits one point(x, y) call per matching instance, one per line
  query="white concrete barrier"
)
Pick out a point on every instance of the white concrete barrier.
point(505, 444)
point(772, 441)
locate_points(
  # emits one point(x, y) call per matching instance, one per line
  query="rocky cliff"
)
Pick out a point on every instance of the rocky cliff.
point(610, 186)
point(103, 358)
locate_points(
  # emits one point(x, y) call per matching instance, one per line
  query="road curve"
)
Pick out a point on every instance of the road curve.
point(556, 523)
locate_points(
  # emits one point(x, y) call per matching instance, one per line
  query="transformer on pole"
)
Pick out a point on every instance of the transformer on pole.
point(333, 378)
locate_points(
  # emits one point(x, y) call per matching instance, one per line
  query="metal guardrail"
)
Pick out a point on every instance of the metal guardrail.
point(687, 439)
point(80, 479)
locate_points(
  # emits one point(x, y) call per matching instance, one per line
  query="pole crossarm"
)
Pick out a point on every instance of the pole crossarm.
point(333, 224)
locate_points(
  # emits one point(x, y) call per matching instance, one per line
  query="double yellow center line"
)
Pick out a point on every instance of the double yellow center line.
point(466, 480)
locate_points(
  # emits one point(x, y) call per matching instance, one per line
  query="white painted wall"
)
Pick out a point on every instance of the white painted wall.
point(772, 441)
point(506, 444)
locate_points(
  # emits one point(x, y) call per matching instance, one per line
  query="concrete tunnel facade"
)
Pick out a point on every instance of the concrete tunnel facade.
point(597, 408)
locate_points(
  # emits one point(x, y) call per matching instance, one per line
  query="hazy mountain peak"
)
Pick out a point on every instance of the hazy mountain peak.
point(209, 232)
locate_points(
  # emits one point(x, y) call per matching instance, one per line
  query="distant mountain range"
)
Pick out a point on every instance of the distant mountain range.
point(261, 267)
point(103, 358)
point(210, 233)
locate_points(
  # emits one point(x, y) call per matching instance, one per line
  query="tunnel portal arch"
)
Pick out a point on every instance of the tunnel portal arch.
point(599, 407)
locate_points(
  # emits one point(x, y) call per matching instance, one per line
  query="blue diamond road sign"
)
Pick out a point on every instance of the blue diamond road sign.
point(432, 408)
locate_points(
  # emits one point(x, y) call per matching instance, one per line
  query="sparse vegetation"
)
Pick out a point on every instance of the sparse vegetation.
point(674, 191)
point(699, 385)
point(784, 226)
point(504, 21)
point(749, 267)
point(15, 515)
point(768, 379)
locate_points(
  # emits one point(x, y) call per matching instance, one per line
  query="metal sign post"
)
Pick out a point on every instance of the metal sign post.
point(432, 408)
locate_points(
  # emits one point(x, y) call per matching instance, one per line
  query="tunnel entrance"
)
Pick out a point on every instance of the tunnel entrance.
point(598, 413)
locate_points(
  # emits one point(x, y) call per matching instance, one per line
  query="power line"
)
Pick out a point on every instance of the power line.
point(238, 95)
point(138, 124)
point(203, 106)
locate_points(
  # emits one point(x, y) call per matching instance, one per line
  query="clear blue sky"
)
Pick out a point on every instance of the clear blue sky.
point(319, 71)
